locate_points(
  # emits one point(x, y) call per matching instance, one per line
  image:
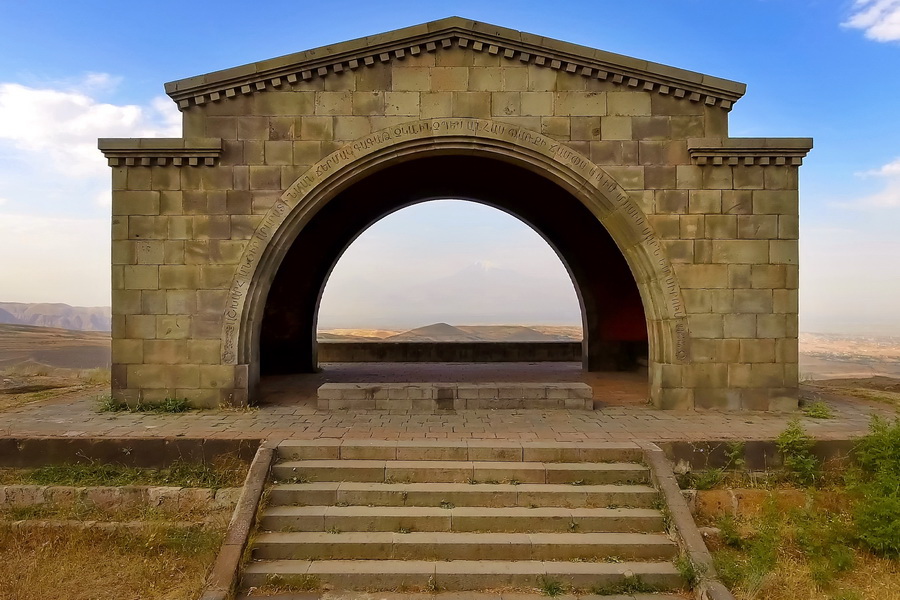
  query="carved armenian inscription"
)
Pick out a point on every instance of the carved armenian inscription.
point(336, 161)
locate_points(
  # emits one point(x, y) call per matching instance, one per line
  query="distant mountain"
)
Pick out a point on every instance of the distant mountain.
point(62, 316)
point(512, 333)
point(439, 332)
point(442, 332)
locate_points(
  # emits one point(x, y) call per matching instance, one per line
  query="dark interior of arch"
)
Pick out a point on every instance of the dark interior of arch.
point(615, 325)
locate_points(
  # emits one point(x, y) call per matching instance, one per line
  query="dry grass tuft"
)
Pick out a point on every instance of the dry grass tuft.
point(165, 563)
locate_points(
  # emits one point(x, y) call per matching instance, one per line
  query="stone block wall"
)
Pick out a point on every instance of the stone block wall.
point(724, 210)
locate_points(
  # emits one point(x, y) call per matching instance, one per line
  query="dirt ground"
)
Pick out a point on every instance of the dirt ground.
point(878, 390)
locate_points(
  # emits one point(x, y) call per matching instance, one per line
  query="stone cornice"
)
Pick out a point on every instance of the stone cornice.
point(523, 48)
point(148, 152)
point(749, 151)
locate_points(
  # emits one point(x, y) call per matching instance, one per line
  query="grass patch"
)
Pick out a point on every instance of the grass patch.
point(276, 584)
point(629, 585)
point(167, 406)
point(86, 511)
point(843, 544)
point(94, 376)
point(818, 410)
point(163, 563)
point(226, 472)
point(802, 554)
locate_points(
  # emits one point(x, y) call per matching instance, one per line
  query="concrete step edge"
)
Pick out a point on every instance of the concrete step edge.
point(474, 450)
point(481, 595)
point(488, 511)
point(461, 575)
point(461, 487)
point(458, 566)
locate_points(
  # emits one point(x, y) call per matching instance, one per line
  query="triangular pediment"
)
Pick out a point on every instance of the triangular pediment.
point(521, 47)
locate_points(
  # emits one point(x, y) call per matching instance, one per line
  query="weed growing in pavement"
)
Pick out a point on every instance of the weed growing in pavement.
point(292, 583)
point(818, 410)
point(631, 584)
point(687, 570)
point(169, 405)
point(551, 587)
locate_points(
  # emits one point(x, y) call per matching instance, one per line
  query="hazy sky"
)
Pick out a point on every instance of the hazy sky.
point(71, 72)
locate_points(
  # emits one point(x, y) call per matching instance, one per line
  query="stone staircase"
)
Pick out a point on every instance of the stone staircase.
point(454, 517)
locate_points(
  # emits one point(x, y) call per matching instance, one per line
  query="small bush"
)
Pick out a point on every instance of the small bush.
point(877, 514)
point(730, 534)
point(800, 464)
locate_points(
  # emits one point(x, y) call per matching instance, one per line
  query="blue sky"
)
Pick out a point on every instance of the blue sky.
point(830, 69)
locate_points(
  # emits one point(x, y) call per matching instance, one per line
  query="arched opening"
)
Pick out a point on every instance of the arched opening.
point(614, 319)
point(421, 271)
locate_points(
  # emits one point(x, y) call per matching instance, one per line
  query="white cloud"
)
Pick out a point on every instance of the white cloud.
point(880, 19)
point(60, 127)
point(888, 196)
point(50, 169)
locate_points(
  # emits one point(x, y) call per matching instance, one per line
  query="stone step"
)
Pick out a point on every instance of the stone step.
point(482, 595)
point(457, 575)
point(357, 545)
point(449, 495)
point(470, 450)
point(460, 518)
point(413, 471)
point(430, 397)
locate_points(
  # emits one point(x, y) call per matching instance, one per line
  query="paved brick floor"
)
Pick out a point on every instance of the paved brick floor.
point(80, 417)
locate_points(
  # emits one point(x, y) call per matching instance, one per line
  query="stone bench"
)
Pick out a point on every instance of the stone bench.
point(431, 396)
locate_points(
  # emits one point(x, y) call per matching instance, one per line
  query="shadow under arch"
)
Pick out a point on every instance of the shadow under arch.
point(601, 199)
point(612, 313)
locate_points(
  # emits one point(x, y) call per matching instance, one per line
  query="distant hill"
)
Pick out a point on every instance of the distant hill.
point(60, 348)
point(513, 333)
point(439, 332)
point(442, 332)
point(62, 316)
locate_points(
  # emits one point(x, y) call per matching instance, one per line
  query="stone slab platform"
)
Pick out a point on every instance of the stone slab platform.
point(428, 397)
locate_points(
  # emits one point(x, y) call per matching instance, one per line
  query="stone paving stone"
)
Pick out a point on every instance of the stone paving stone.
point(79, 417)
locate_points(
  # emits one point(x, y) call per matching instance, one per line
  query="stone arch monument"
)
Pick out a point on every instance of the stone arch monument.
point(671, 230)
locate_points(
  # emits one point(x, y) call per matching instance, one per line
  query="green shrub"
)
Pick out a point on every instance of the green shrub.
point(877, 514)
point(800, 464)
point(879, 451)
point(730, 534)
point(822, 537)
